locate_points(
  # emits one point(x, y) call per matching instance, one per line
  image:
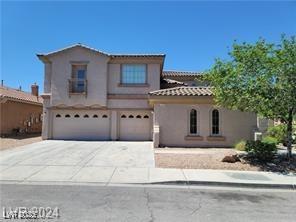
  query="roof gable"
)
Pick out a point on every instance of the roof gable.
point(44, 56)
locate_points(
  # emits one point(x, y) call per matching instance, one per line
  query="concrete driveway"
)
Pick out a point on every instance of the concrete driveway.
point(54, 160)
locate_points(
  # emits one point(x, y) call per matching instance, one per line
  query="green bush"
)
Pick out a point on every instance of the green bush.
point(241, 145)
point(270, 139)
point(278, 132)
point(261, 150)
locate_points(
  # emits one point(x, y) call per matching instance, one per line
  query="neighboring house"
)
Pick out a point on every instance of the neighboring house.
point(21, 112)
point(93, 95)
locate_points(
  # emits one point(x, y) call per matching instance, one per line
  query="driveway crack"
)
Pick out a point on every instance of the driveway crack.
point(197, 208)
point(148, 200)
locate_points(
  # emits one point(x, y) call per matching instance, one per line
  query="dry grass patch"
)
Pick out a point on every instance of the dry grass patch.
point(15, 141)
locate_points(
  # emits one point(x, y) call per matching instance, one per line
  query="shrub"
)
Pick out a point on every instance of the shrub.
point(279, 132)
point(270, 139)
point(241, 145)
point(261, 150)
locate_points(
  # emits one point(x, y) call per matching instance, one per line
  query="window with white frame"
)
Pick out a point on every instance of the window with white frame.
point(133, 74)
point(79, 77)
point(193, 122)
point(215, 122)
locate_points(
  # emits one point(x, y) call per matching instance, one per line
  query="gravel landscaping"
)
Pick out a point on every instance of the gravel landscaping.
point(204, 158)
point(15, 141)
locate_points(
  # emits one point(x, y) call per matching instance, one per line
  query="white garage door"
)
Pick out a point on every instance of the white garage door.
point(81, 125)
point(135, 126)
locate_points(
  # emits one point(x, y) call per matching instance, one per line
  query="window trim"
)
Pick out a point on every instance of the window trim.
point(121, 83)
point(73, 77)
point(211, 123)
point(197, 134)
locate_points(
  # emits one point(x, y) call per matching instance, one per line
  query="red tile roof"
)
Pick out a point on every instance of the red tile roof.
point(169, 73)
point(21, 96)
point(172, 81)
point(183, 91)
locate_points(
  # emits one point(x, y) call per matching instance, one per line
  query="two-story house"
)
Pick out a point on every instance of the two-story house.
point(93, 95)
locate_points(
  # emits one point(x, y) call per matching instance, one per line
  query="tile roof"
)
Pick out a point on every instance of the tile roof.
point(168, 73)
point(98, 51)
point(137, 55)
point(10, 93)
point(183, 91)
point(172, 81)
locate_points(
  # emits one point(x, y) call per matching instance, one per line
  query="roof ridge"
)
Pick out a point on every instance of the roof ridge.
point(172, 70)
point(99, 51)
point(15, 89)
point(72, 46)
point(15, 94)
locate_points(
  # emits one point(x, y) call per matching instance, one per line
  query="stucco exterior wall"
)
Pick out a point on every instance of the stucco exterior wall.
point(173, 122)
point(17, 115)
point(96, 75)
point(132, 103)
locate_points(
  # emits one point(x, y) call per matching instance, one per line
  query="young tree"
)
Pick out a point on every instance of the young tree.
point(259, 78)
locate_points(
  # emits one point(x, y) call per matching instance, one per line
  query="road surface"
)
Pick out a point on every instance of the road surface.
point(152, 203)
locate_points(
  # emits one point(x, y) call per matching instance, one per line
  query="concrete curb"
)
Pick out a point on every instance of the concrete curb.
point(173, 183)
point(229, 184)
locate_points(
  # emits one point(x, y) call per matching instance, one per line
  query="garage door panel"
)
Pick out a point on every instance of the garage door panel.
point(81, 125)
point(135, 126)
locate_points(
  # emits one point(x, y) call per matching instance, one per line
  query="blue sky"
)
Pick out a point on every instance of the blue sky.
point(191, 34)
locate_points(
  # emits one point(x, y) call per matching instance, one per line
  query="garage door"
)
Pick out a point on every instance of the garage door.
point(135, 126)
point(81, 125)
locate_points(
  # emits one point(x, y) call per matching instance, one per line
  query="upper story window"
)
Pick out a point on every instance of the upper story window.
point(215, 122)
point(134, 74)
point(78, 81)
point(193, 122)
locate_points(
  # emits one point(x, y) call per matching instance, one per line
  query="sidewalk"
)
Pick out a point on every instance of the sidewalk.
point(126, 175)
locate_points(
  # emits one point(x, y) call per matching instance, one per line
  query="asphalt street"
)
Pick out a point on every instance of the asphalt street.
point(152, 203)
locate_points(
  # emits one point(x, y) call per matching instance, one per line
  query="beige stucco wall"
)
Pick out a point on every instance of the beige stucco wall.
point(132, 103)
point(173, 121)
point(16, 114)
point(61, 69)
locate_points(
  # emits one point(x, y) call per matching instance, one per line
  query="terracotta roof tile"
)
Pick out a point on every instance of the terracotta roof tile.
point(9, 93)
point(183, 91)
point(168, 73)
point(172, 81)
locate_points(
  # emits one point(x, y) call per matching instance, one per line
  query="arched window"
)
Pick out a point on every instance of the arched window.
point(215, 122)
point(193, 121)
point(85, 116)
point(131, 116)
point(146, 117)
point(123, 116)
point(95, 116)
point(138, 116)
point(58, 116)
point(76, 116)
point(67, 116)
point(105, 116)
